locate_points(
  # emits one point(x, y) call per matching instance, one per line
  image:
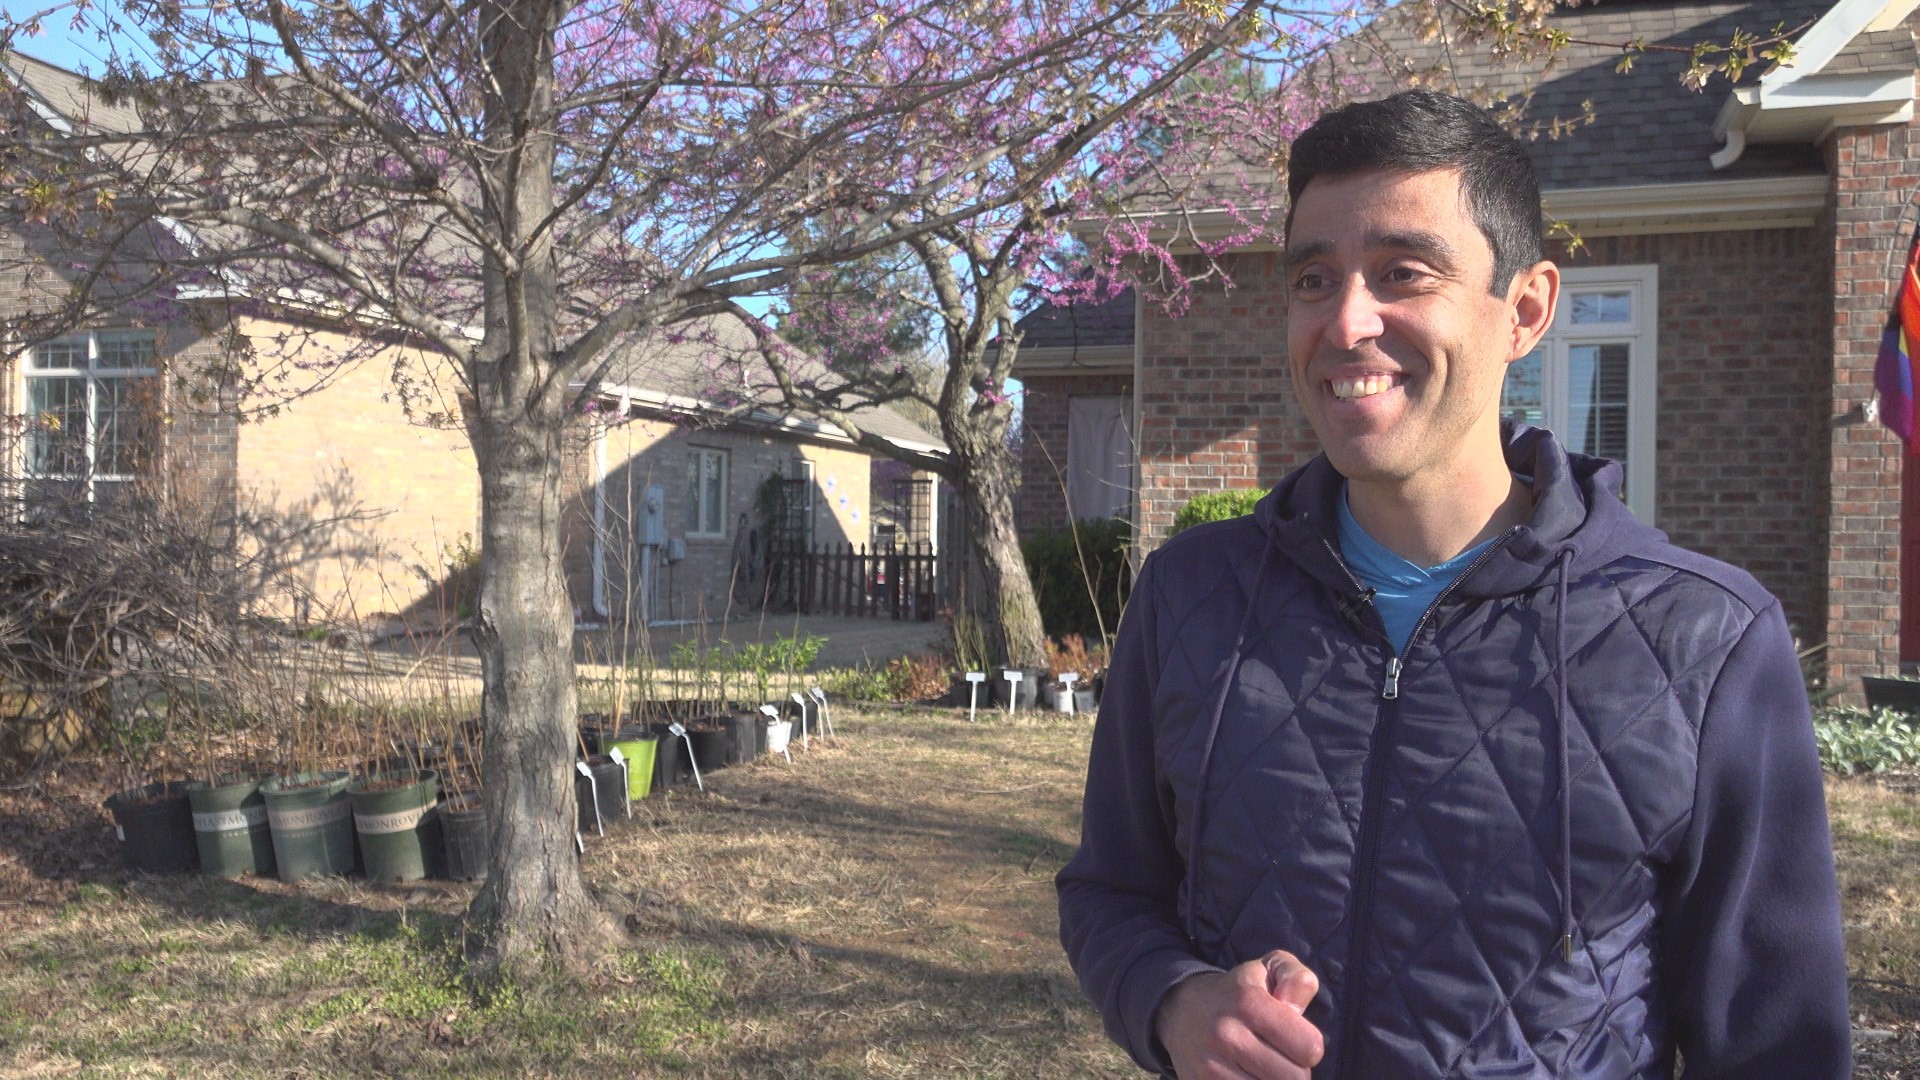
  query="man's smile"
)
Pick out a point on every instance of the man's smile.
point(1356, 387)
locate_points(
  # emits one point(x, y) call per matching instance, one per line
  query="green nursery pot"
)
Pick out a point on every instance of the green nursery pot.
point(394, 816)
point(638, 748)
point(230, 827)
point(312, 823)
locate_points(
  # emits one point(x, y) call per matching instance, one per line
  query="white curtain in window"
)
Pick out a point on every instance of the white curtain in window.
point(1100, 456)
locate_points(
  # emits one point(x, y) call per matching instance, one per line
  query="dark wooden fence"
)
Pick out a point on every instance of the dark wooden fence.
point(842, 579)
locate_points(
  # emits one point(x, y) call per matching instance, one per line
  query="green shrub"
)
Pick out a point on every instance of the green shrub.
point(867, 682)
point(1854, 740)
point(1216, 506)
point(1063, 563)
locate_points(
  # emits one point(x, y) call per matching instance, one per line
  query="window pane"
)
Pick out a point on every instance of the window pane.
point(1600, 307)
point(1523, 398)
point(116, 427)
point(693, 491)
point(714, 498)
point(57, 426)
point(65, 353)
point(1597, 400)
point(129, 349)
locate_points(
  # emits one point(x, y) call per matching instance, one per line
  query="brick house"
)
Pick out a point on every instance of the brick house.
point(378, 487)
point(668, 513)
point(1717, 333)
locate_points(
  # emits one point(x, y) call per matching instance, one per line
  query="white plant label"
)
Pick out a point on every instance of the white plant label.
point(230, 820)
point(676, 729)
point(121, 833)
point(400, 821)
point(313, 818)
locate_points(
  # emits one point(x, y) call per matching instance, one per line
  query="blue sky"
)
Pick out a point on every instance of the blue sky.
point(57, 43)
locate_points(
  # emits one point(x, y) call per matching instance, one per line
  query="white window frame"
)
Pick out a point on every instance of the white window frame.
point(92, 375)
point(1642, 334)
point(803, 469)
point(699, 455)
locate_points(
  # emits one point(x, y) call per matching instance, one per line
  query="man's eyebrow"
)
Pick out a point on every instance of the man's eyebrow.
point(1306, 253)
point(1427, 245)
point(1430, 246)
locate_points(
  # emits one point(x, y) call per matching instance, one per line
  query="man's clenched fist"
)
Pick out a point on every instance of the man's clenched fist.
point(1247, 1022)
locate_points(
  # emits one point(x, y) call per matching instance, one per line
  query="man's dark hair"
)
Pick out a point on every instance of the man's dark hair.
point(1419, 131)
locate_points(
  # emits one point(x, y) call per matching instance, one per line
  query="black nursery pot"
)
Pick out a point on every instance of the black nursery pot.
point(1900, 695)
point(463, 829)
point(607, 789)
point(671, 767)
point(1026, 692)
point(154, 825)
point(743, 737)
point(710, 749)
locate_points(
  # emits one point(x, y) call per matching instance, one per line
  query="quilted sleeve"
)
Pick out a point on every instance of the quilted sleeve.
point(1119, 917)
point(1753, 957)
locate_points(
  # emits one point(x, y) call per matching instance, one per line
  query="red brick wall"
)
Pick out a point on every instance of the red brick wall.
point(1743, 373)
point(1216, 404)
point(1875, 175)
point(1043, 445)
point(1741, 466)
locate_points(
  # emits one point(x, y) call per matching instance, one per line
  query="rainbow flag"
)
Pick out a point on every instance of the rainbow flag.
point(1893, 370)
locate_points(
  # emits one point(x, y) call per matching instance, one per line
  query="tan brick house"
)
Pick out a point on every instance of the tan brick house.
point(1718, 332)
point(668, 515)
point(371, 481)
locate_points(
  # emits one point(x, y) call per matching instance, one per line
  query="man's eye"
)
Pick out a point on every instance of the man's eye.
point(1310, 282)
point(1404, 275)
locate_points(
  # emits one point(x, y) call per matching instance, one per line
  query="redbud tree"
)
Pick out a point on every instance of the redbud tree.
point(521, 187)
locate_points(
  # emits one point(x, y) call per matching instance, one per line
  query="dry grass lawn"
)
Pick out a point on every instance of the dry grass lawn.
point(881, 908)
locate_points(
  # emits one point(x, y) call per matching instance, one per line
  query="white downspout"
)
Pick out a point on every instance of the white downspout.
point(600, 606)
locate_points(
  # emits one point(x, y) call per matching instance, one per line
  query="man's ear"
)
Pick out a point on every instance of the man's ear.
point(1532, 298)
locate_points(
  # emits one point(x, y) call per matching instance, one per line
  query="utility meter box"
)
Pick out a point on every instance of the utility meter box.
point(676, 549)
point(653, 517)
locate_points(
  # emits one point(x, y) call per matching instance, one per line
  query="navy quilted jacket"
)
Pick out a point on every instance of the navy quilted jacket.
point(1576, 827)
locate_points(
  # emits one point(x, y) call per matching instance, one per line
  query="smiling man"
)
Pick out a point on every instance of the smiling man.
point(1442, 763)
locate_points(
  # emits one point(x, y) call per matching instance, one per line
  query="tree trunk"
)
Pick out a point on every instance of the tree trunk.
point(1013, 631)
point(534, 902)
point(534, 907)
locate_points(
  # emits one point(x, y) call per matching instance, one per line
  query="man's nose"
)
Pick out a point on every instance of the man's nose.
point(1356, 315)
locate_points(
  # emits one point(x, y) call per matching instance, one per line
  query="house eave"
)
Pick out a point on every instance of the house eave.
point(1768, 202)
point(629, 397)
point(1797, 103)
point(1073, 360)
point(1776, 202)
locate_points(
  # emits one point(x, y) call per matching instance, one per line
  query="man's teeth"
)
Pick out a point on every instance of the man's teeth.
point(1367, 386)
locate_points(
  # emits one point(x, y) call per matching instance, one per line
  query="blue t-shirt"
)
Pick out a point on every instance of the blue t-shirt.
point(1402, 591)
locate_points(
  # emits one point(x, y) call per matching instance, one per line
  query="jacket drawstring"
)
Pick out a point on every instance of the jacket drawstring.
point(1560, 719)
point(1213, 732)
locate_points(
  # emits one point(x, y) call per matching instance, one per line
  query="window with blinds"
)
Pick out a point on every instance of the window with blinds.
point(1591, 380)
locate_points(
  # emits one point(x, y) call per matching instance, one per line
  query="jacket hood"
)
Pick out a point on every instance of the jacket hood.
point(1576, 509)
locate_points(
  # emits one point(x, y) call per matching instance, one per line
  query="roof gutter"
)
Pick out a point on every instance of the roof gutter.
point(682, 405)
point(1794, 102)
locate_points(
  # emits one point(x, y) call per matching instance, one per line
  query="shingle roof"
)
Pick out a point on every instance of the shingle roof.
point(1648, 128)
point(718, 360)
point(1076, 326)
point(1874, 52)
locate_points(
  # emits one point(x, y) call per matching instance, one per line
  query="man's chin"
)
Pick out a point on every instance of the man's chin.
point(1362, 463)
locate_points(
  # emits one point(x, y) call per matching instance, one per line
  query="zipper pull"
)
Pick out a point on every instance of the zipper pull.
point(1392, 689)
